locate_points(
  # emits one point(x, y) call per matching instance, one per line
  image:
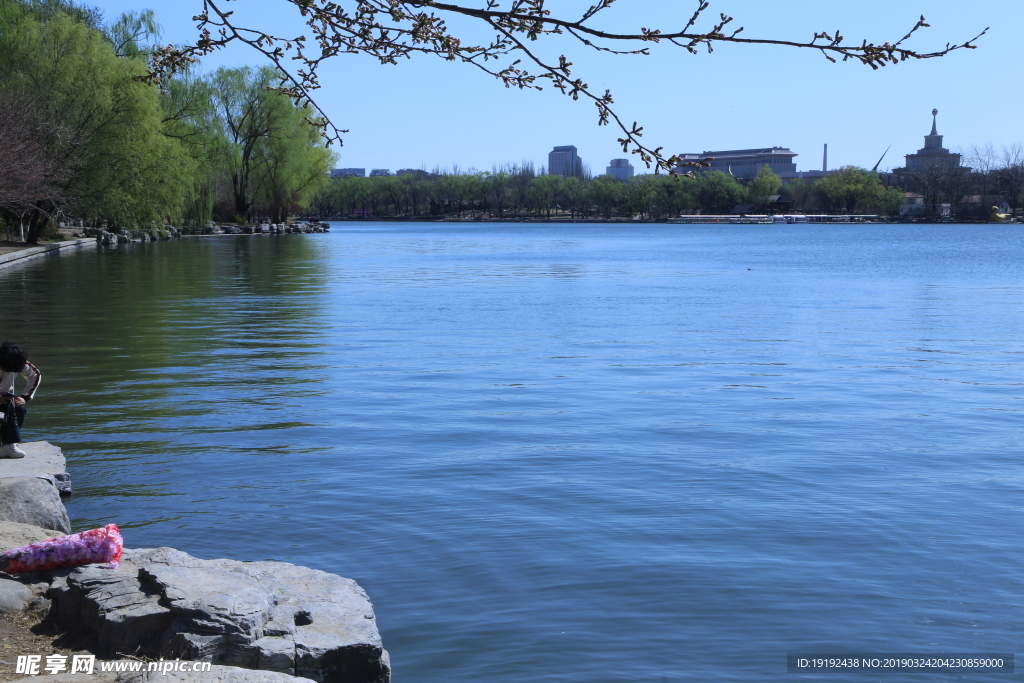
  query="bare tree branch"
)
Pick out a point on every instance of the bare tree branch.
point(390, 30)
point(32, 176)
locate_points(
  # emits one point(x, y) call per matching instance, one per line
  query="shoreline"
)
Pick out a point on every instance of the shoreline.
point(252, 622)
point(626, 221)
point(30, 253)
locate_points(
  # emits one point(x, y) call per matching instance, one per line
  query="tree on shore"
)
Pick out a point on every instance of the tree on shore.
point(85, 135)
point(856, 190)
point(254, 150)
point(108, 156)
point(29, 174)
point(762, 188)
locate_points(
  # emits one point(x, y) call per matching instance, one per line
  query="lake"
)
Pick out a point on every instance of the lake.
point(586, 453)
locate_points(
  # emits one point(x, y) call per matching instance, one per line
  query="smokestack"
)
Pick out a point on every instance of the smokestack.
point(824, 159)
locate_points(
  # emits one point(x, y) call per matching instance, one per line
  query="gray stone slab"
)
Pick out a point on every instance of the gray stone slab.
point(212, 599)
point(42, 460)
point(273, 616)
point(216, 674)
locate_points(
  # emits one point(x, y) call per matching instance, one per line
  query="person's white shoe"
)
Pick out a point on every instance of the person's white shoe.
point(10, 451)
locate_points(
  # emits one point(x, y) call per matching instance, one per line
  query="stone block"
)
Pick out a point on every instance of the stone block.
point(273, 616)
point(33, 501)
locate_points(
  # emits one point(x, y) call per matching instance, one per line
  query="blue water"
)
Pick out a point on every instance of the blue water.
point(577, 453)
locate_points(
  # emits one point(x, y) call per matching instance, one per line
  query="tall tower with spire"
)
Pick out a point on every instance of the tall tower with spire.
point(933, 154)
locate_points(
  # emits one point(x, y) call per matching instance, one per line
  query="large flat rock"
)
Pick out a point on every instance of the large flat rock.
point(42, 460)
point(268, 616)
point(30, 487)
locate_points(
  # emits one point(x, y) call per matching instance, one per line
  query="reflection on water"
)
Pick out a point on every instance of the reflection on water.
point(572, 453)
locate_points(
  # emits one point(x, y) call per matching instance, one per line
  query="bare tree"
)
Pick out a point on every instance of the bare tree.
point(1011, 175)
point(395, 29)
point(32, 175)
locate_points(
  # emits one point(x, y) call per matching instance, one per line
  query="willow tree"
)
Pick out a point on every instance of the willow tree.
point(294, 162)
point(191, 118)
point(763, 187)
point(523, 32)
point(270, 157)
point(111, 160)
point(854, 189)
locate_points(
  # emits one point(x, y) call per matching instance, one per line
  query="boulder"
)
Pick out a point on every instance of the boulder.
point(270, 616)
point(30, 487)
point(14, 595)
point(33, 501)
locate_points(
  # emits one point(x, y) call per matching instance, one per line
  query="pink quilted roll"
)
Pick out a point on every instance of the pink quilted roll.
point(87, 547)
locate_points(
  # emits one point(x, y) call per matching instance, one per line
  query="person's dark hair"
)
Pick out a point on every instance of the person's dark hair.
point(12, 357)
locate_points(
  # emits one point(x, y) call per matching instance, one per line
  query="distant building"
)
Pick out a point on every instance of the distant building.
point(380, 172)
point(564, 161)
point(810, 176)
point(744, 163)
point(914, 206)
point(932, 156)
point(348, 172)
point(620, 169)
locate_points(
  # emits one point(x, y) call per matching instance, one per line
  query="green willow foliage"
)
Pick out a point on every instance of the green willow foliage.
point(270, 154)
point(518, 193)
point(114, 150)
point(102, 128)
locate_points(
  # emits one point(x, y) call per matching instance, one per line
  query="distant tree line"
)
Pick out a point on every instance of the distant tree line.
point(85, 136)
point(516, 191)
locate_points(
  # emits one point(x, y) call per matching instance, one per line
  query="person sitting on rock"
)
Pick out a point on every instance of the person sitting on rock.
point(14, 362)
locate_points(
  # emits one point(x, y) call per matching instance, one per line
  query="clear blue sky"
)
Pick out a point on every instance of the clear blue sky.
point(428, 113)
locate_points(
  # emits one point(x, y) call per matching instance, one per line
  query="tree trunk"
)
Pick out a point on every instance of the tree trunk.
point(35, 226)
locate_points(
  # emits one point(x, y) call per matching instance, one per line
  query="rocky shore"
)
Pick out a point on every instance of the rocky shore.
point(108, 238)
point(254, 622)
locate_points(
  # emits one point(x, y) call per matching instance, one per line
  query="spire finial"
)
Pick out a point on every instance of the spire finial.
point(935, 116)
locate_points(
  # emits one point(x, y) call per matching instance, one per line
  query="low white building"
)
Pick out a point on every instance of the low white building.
point(913, 206)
